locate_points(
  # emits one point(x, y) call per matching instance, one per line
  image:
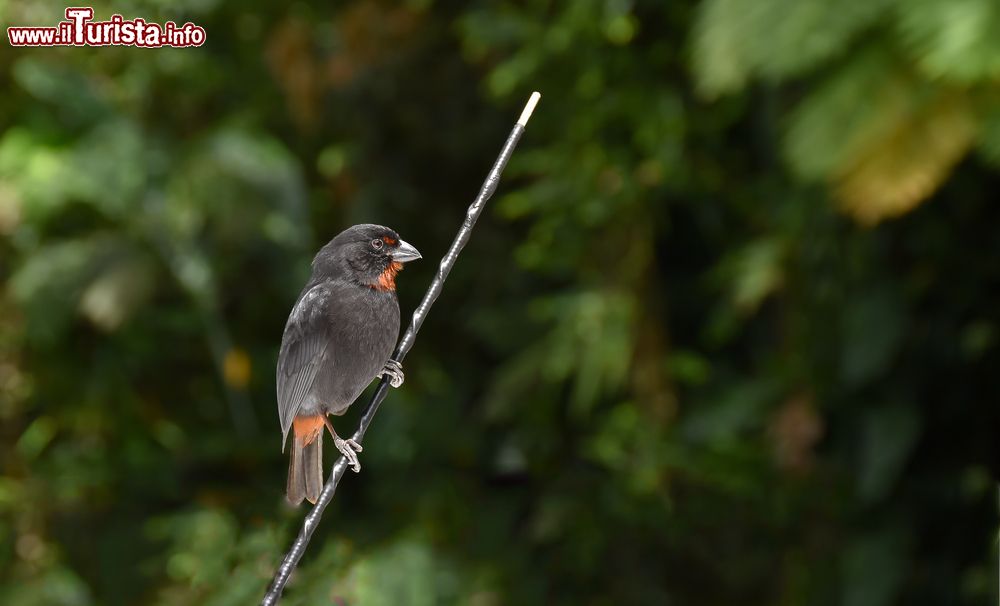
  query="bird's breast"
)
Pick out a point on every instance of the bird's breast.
point(365, 326)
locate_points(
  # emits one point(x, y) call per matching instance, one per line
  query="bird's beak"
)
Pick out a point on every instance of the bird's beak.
point(405, 252)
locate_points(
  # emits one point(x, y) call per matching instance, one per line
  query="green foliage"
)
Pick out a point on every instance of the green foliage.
point(665, 370)
point(953, 40)
point(925, 69)
point(737, 40)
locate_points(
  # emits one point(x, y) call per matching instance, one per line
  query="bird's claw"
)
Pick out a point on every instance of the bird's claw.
point(394, 371)
point(350, 449)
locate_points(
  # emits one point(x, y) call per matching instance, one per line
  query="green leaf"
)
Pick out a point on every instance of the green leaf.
point(49, 283)
point(752, 273)
point(735, 40)
point(888, 436)
point(830, 126)
point(41, 173)
point(873, 567)
point(872, 333)
point(955, 40)
point(988, 140)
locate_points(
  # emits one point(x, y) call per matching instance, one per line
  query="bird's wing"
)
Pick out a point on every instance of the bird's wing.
point(304, 347)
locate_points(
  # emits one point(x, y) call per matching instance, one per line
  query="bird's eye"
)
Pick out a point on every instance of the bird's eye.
point(376, 243)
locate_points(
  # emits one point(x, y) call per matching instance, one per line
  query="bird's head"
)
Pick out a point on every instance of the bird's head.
point(370, 255)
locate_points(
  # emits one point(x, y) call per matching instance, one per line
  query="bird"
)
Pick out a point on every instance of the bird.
point(338, 337)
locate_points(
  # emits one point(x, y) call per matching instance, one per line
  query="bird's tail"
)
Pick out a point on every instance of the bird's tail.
point(305, 467)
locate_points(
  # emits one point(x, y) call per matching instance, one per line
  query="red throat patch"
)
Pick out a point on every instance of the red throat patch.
point(387, 279)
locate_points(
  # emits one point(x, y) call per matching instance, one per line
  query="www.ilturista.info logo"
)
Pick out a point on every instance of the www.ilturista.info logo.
point(79, 29)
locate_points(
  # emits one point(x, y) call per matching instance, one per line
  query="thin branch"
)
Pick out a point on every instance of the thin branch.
point(312, 520)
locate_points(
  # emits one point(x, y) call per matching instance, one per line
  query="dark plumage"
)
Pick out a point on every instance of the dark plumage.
point(339, 336)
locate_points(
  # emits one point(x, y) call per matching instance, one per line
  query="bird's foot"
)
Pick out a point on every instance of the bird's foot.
point(350, 449)
point(394, 371)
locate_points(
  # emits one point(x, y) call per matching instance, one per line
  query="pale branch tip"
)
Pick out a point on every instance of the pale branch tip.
point(312, 519)
point(529, 107)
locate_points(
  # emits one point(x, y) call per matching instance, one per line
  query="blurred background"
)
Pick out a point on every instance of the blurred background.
point(729, 333)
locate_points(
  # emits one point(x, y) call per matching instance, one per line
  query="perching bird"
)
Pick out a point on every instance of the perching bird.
point(339, 337)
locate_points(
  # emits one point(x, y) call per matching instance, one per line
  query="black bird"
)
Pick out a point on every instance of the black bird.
point(339, 337)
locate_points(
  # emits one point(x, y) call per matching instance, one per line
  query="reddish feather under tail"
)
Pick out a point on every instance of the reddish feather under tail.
point(305, 467)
